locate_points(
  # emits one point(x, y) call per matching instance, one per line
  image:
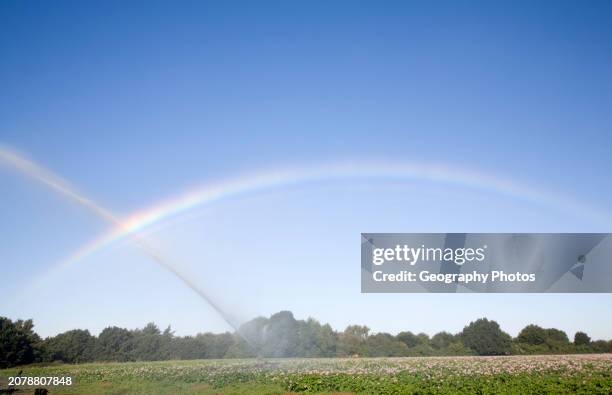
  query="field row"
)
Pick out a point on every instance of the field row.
point(433, 375)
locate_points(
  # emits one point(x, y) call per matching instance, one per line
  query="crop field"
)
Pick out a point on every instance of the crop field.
point(586, 374)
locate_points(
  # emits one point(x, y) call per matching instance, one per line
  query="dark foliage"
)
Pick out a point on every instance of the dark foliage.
point(281, 335)
point(486, 338)
point(582, 339)
point(19, 344)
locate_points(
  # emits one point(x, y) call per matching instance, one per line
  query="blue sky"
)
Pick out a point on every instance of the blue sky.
point(137, 102)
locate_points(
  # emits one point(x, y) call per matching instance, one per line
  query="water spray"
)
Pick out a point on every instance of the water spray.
point(59, 185)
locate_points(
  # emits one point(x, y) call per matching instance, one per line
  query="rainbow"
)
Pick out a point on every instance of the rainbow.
point(159, 213)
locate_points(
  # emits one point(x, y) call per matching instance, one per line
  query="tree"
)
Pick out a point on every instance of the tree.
point(213, 345)
point(19, 344)
point(352, 340)
point(441, 340)
point(252, 336)
point(532, 334)
point(423, 339)
point(148, 343)
point(361, 332)
point(599, 346)
point(281, 335)
point(557, 336)
point(581, 339)
point(315, 340)
point(241, 348)
point(536, 340)
point(408, 338)
point(72, 346)
point(115, 344)
point(458, 348)
point(486, 338)
point(385, 345)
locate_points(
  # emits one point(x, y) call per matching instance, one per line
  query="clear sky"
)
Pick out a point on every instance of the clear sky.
point(137, 102)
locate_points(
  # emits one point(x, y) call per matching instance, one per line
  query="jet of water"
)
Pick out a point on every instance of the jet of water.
point(46, 177)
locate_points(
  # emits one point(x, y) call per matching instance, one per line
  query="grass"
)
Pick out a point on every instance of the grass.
point(555, 374)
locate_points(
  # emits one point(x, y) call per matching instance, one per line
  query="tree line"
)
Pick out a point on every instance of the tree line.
point(280, 335)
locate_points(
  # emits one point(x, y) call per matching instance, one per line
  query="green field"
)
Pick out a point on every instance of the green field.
point(587, 374)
